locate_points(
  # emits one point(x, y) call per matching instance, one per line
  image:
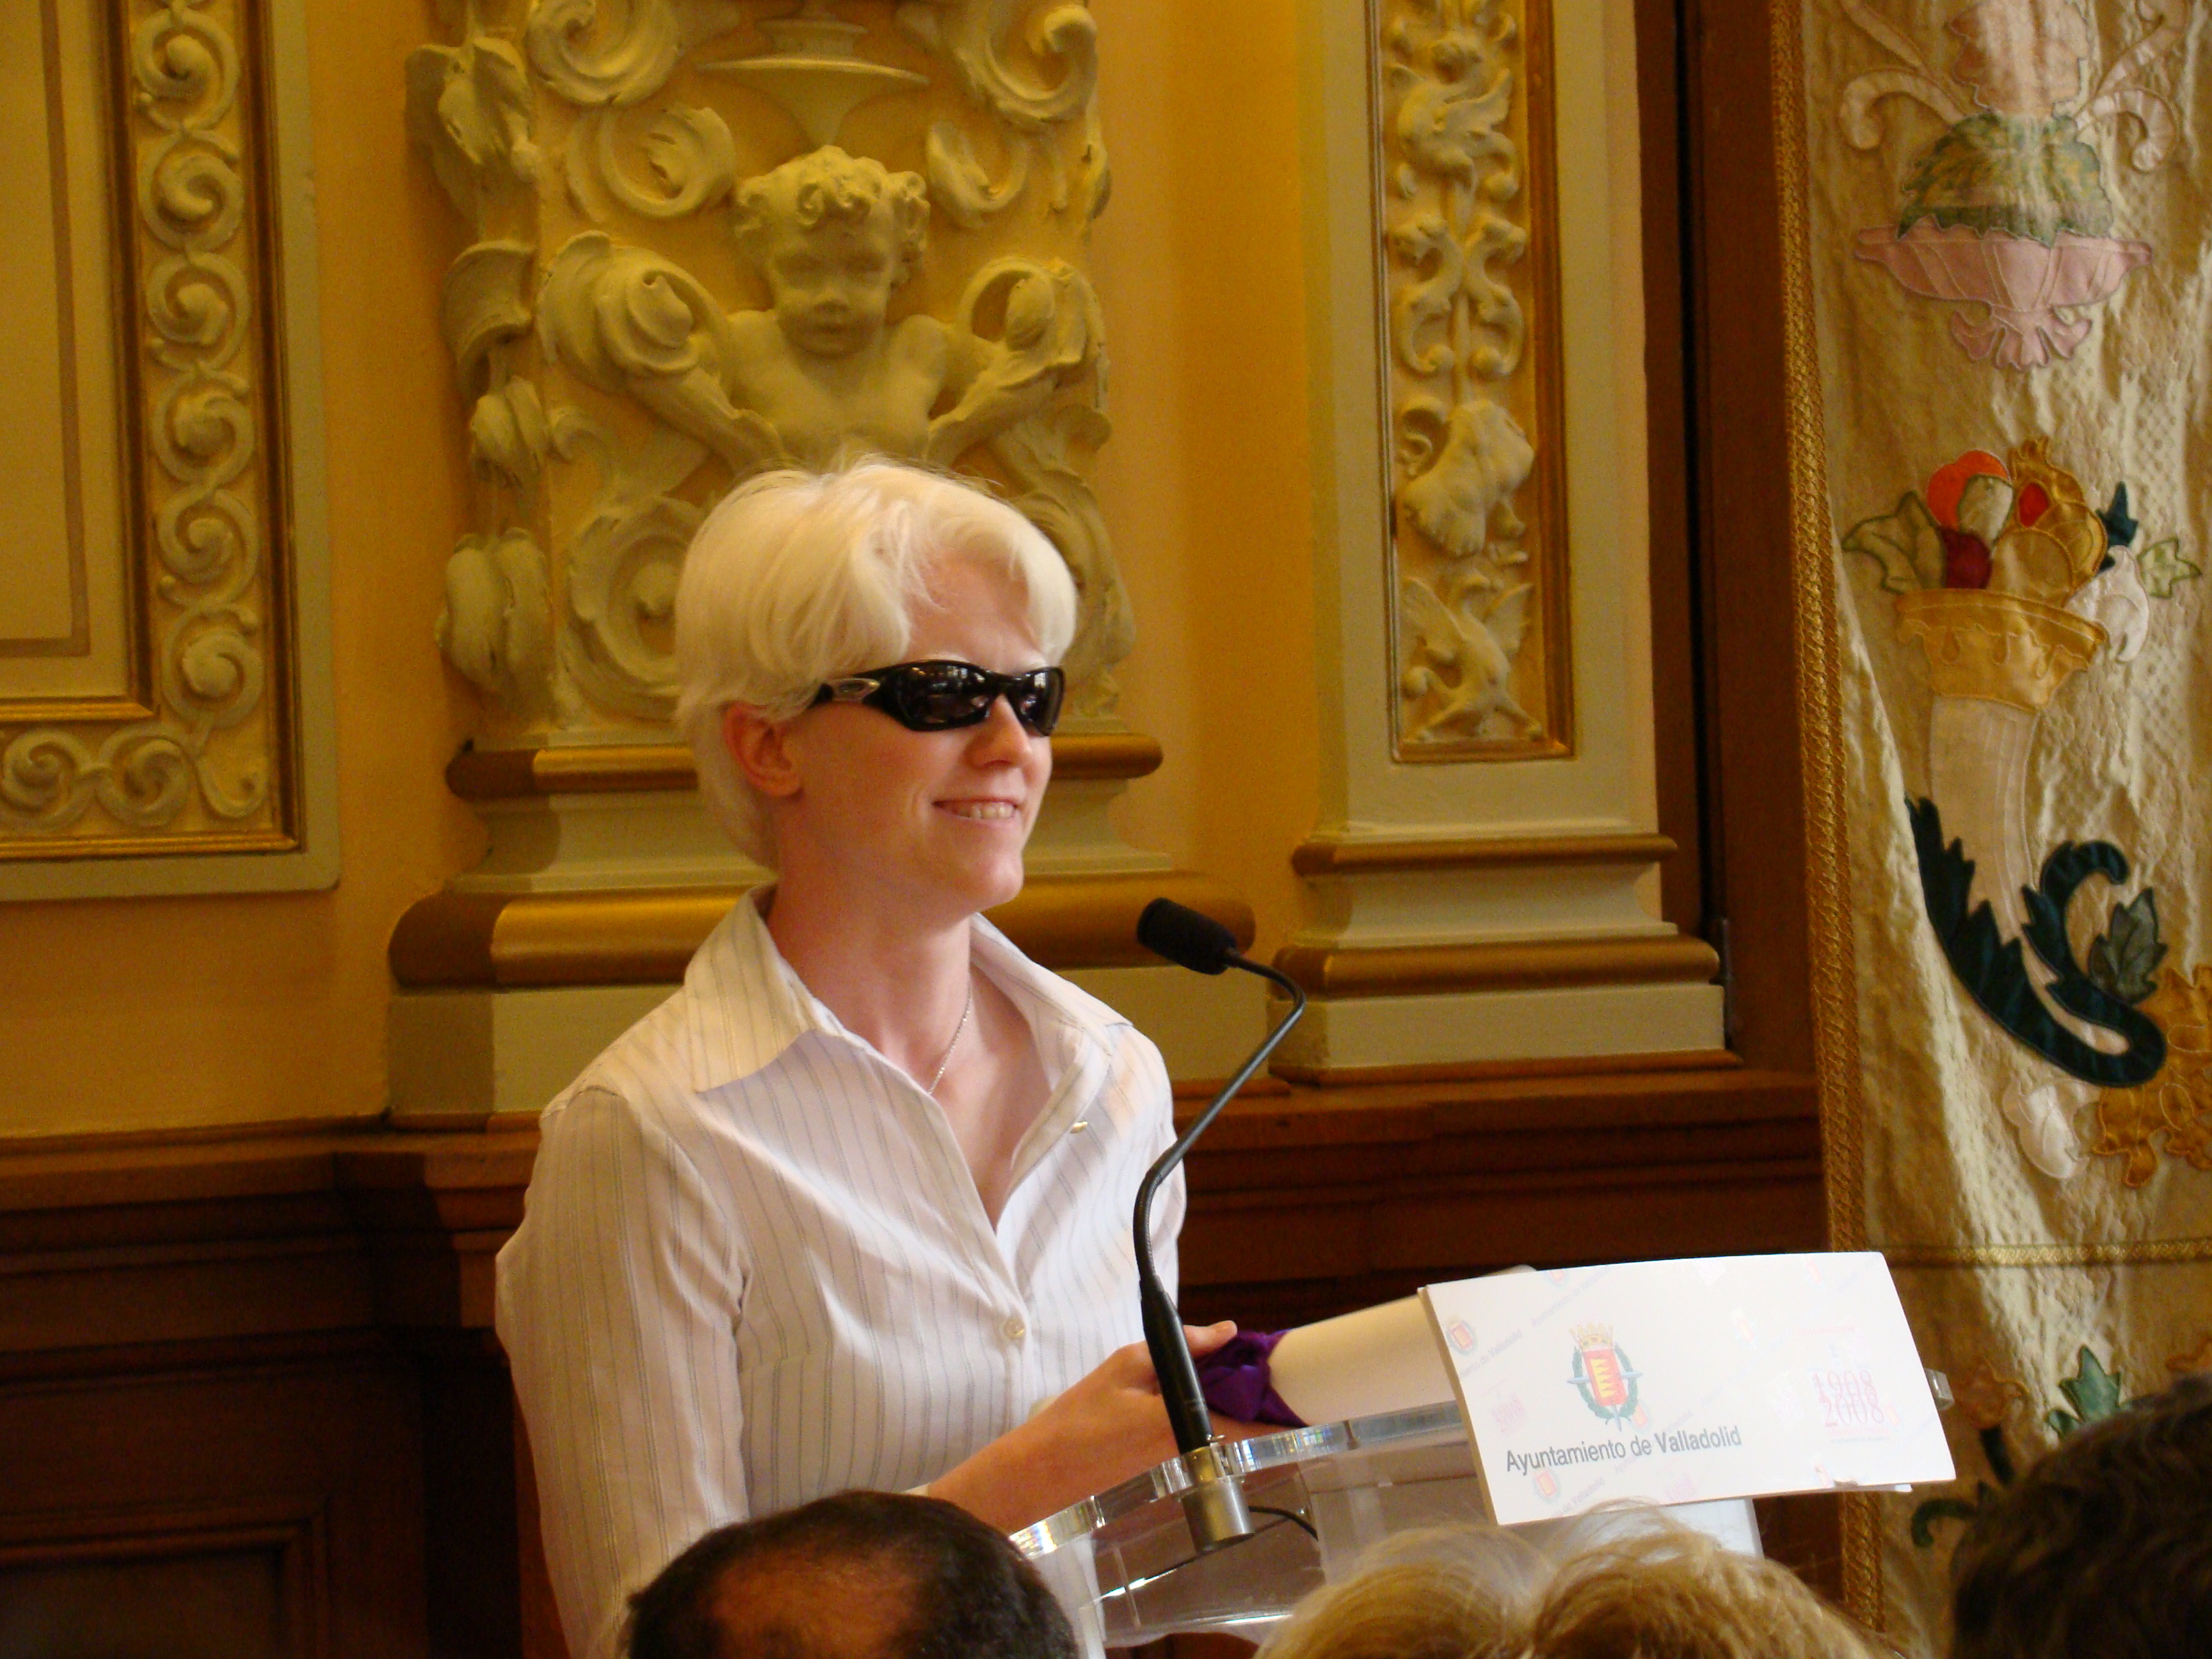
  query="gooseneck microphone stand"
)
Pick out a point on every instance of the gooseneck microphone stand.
point(1215, 1503)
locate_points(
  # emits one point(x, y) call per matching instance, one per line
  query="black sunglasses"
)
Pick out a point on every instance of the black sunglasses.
point(942, 697)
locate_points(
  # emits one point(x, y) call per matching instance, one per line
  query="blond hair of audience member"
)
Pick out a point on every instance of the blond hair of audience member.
point(1662, 1592)
point(1445, 1593)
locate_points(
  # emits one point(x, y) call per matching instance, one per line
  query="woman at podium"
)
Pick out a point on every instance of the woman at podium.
point(851, 1208)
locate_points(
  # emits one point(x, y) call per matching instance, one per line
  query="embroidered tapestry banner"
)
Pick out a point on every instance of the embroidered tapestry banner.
point(2008, 259)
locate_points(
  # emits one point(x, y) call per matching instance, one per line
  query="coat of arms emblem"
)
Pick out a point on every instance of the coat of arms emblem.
point(1603, 1375)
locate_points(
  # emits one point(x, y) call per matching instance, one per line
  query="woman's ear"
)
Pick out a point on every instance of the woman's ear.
point(761, 749)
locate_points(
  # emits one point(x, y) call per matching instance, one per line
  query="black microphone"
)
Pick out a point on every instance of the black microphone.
point(1187, 938)
point(1197, 942)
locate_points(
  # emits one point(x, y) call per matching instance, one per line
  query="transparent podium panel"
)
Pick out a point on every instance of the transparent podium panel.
point(1124, 1564)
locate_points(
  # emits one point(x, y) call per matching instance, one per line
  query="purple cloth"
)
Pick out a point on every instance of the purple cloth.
point(1235, 1380)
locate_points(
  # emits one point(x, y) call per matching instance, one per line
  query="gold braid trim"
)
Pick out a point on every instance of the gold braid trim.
point(1819, 710)
point(2077, 1254)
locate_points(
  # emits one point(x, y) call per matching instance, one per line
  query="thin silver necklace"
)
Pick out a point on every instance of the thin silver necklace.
point(968, 1008)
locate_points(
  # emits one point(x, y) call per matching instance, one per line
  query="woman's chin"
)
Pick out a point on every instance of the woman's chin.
point(986, 884)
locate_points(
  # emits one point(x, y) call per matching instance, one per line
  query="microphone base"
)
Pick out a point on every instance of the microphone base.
point(1214, 1505)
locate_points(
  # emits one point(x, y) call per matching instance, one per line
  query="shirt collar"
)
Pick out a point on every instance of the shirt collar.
point(747, 1005)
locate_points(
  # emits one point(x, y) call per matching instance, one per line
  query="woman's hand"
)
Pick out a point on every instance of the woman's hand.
point(1107, 1427)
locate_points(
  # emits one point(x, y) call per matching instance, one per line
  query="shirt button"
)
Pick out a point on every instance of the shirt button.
point(1015, 1328)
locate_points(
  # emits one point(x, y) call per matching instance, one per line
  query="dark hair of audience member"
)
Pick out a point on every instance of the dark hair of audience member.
point(807, 1584)
point(2103, 1549)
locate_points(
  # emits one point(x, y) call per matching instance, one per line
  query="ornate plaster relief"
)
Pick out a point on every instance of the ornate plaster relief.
point(715, 237)
point(186, 121)
point(1477, 544)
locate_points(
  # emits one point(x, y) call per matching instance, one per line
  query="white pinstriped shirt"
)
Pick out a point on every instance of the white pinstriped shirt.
point(754, 1269)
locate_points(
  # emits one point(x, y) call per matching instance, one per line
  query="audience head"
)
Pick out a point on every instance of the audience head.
point(1674, 1594)
point(2103, 1549)
point(1448, 1593)
point(1626, 1588)
point(859, 1575)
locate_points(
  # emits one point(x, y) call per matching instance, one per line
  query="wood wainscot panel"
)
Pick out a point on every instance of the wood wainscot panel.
point(256, 1504)
point(246, 1582)
point(260, 1372)
point(210, 1439)
point(1315, 1201)
point(435, 1209)
point(191, 1244)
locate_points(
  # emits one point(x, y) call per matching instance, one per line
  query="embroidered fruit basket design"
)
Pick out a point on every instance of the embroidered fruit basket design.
point(2008, 207)
point(2011, 583)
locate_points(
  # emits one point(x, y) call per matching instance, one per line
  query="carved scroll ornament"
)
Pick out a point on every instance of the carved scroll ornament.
point(1479, 538)
point(196, 753)
point(681, 298)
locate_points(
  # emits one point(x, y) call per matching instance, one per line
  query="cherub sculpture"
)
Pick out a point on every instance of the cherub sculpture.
point(836, 237)
point(823, 369)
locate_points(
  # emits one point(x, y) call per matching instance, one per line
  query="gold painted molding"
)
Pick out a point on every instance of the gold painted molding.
point(1105, 754)
point(1340, 857)
point(510, 941)
point(484, 774)
point(601, 768)
point(1510, 965)
point(2084, 1254)
point(1504, 1071)
point(1091, 922)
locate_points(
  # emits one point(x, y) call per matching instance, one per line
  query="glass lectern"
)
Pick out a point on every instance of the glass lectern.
point(1124, 1563)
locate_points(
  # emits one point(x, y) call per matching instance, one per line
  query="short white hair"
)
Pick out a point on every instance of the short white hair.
point(797, 578)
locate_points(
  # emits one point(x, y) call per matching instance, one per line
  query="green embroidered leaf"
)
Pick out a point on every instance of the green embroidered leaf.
point(2123, 959)
point(1946, 1508)
point(1993, 970)
point(2163, 568)
point(2093, 1392)
point(1907, 544)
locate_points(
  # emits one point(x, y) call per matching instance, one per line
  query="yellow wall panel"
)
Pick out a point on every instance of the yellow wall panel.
point(1201, 263)
point(159, 1013)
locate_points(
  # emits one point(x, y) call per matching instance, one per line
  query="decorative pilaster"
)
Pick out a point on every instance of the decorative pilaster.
point(1481, 879)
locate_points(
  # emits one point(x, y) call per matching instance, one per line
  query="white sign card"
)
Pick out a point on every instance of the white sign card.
point(1681, 1382)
